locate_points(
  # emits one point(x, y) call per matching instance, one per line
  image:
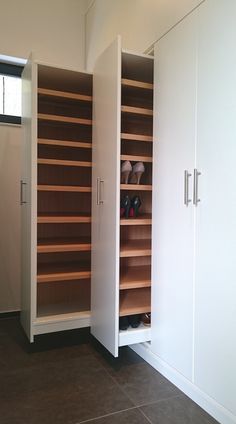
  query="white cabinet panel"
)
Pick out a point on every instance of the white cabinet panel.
point(173, 222)
point(106, 180)
point(215, 327)
point(29, 198)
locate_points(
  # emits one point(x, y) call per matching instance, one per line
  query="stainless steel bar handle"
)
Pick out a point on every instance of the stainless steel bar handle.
point(196, 199)
point(187, 175)
point(22, 201)
point(101, 201)
point(99, 182)
point(98, 191)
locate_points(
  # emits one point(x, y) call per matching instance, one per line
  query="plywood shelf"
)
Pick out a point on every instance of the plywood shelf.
point(137, 84)
point(48, 273)
point(136, 158)
point(66, 119)
point(135, 277)
point(63, 219)
point(137, 110)
point(64, 95)
point(137, 301)
point(65, 143)
point(64, 245)
point(144, 219)
point(136, 187)
point(60, 162)
point(77, 189)
point(136, 137)
point(134, 248)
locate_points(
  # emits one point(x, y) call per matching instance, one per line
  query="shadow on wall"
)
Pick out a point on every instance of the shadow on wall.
point(10, 166)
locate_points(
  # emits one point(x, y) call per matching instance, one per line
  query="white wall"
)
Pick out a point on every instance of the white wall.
point(54, 30)
point(140, 23)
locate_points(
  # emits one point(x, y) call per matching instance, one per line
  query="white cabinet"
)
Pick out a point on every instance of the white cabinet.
point(121, 253)
point(173, 226)
point(56, 199)
point(106, 198)
point(194, 267)
point(215, 288)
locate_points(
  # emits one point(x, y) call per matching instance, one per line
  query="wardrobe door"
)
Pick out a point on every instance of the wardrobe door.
point(173, 213)
point(28, 198)
point(215, 327)
point(106, 197)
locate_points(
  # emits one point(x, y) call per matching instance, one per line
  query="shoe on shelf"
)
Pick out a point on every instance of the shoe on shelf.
point(126, 169)
point(125, 204)
point(134, 206)
point(134, 320)
point(123, 323)
point(137, 172)
point(146, 319)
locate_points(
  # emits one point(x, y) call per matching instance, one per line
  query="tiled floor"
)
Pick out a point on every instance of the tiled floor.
point(69, 378)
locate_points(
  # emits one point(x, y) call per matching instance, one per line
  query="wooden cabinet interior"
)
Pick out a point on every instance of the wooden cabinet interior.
point(64, 191)
point(136, 146)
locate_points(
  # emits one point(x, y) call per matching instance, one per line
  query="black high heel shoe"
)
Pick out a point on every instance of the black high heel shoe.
point(123, 323)
point(135, 205)
point(125, 206)
point(134, 320)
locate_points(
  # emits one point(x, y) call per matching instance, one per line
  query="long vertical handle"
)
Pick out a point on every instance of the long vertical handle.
point(196, 199)
point(22, 201)
point(187, 175)
point(101, 201)
point(99, 182)
point(98, 191)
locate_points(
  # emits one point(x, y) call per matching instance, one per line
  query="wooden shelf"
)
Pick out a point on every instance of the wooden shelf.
point(65, 143)
point(134, 248)
point(135, 277)
point(78, 189)
point(136, 187)
point(64, 162)
point(137, 301)
point(48, 273)
point(133, 158)
point(137, 84)
point(136, 137)
point(64, 95)
point(144, 219)
point(137, 110)
point(67, 119)
point(64, 245)
point(63, 219)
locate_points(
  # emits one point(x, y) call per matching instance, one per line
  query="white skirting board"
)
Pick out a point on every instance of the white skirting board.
point(213, 408)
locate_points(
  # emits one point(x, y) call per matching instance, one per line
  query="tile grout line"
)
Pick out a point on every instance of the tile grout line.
point(107, 415)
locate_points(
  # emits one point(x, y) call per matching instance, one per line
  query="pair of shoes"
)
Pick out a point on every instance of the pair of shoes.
point(132, 320)
point(146, 319)
point(129, 207)
point(136, 172)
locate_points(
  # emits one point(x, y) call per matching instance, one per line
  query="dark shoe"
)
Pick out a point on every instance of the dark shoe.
point(123, 323)
point(146, 319)
point(134, 320)
point(125, 206)
point(135, 205)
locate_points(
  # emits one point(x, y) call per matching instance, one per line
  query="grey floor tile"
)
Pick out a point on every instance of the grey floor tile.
point(179, 410)
point(143, 384)
point(132, 416)
point(59, 396)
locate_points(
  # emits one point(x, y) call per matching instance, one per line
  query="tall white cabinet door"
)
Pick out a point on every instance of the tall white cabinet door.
point(29, 198)
point(173, 221)
point(215, 326)
point(106, 197)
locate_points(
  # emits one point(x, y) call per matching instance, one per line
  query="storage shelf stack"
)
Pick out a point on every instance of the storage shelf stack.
point(64, 194)
point(136, 146)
